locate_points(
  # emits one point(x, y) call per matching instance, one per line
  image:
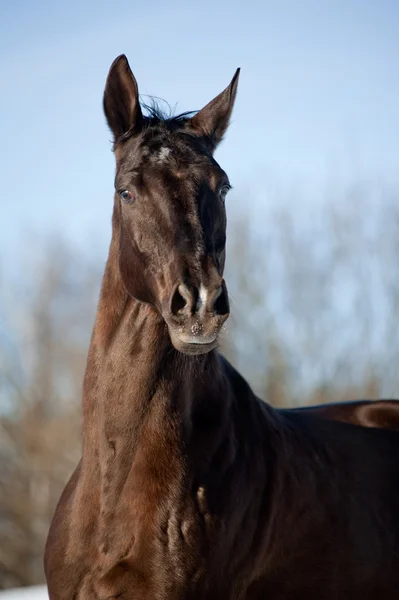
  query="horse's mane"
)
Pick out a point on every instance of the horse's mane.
point(157, 111)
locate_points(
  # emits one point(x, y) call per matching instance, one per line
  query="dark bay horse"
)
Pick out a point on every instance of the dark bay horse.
point(190, 487)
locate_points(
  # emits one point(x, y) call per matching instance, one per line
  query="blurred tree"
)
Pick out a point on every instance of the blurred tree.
point(43, 354)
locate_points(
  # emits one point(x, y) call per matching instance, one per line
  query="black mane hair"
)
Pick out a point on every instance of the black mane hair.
point(158, 112)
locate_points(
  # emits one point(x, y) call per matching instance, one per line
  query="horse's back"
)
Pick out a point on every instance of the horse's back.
point(336, 523)
point(380, 414)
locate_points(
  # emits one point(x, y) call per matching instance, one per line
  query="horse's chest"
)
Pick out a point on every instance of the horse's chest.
point(160, 550)
point(153, 525)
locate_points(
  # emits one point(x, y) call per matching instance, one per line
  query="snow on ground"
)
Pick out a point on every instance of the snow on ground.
point(38, 592)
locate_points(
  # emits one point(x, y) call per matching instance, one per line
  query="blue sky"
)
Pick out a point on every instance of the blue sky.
point(318, 100)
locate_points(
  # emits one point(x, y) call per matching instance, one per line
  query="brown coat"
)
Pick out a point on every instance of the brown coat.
point(189, 486)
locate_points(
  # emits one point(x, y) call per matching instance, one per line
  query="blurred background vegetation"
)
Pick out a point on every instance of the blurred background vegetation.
point(315, 307)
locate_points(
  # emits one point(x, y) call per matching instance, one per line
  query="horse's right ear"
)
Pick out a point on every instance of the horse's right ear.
point(121, 99)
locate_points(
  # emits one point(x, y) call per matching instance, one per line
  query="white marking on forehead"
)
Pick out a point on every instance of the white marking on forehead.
point(163, 154)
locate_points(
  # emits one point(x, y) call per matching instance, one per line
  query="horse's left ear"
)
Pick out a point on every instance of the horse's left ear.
point(212, 121)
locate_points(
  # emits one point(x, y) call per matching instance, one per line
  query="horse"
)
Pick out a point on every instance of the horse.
point(189, 486)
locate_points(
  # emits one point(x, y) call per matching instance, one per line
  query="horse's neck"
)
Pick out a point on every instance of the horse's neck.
point(134, 375)
point(149, 411)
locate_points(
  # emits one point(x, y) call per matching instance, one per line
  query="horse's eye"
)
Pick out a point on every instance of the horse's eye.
point(223, 192)
point(126, 196)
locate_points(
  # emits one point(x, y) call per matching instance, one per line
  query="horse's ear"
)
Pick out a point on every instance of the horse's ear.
point(121, 99)
point(212, 121)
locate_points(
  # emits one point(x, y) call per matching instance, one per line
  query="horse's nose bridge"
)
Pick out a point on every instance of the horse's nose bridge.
point(203, 296)
point(210, 287)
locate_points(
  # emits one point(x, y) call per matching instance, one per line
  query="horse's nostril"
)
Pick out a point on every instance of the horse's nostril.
point(187, 300)
point(178, 302)
point(184, 298)
point(221, 302)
